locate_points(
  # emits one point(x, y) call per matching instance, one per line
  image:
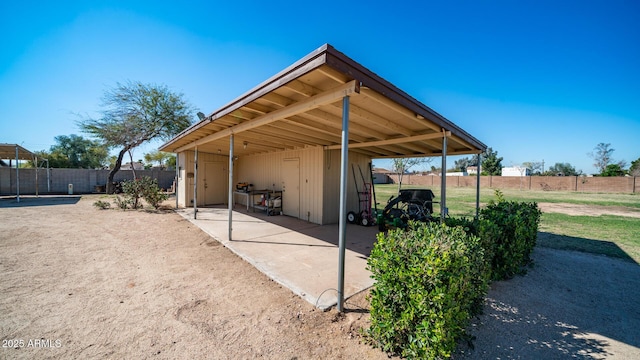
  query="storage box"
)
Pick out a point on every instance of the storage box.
point(277, 202)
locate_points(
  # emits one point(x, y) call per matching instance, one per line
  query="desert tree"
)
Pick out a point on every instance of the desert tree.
point(75, 152)
point(135, 113)
point(163, 159)
point(602, 156)
point(562, 169)
point(536, 167)
point(402, 165)
point(634, 169)
point(463, 163)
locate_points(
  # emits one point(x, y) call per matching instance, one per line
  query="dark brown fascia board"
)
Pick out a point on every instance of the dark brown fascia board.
point(310, 62)
point(348, 66)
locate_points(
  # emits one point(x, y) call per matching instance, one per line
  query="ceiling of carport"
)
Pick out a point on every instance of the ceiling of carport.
point(302, 106)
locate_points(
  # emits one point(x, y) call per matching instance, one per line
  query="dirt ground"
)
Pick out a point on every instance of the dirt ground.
point(588, 210)
point(78, 282)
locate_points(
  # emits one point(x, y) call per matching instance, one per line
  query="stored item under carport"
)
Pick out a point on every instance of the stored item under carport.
point(410, 204)
point(363, 216)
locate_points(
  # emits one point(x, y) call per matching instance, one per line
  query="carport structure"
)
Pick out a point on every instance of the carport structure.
point(17, 152)
point(319, 115)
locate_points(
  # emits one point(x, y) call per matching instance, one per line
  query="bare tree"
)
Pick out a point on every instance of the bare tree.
point(537, 167)
point(602, 156)
point(402, 165)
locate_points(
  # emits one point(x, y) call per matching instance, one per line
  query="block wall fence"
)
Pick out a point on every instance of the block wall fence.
point(84, 180)
point(625, 184)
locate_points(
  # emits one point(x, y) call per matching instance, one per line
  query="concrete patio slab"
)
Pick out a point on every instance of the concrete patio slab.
point(297, 254)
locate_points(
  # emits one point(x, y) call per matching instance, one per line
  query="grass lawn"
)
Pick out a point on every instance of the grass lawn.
point(609, 235)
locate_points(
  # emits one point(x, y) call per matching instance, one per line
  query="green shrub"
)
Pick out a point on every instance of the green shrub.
point(132, 190)
point(143, 188)
point(151, 192)
point(429, 281)
point(508, 230)
point(470, 226)
point(102, 205)
point(123, 203)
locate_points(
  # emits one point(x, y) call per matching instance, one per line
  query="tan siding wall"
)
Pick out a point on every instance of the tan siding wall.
point(319, 179)
point(332, 183)
point(264, 171)
point(185, 183)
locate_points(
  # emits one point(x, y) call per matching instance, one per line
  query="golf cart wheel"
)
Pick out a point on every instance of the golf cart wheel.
point(352, 218)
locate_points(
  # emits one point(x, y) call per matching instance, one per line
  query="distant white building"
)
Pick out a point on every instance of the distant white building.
point(516, 171)
point(472, 170)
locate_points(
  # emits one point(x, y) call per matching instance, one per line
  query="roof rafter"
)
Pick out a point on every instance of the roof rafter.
point(394, 141)
point(313, 102)
point(335, 121)
point(358, 112)
point(397, 108)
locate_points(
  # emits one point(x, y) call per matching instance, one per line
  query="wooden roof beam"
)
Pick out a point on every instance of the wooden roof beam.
point(333, 74)
point(313, 102)
point(335, 121)
point(276, 99)
point(380, 99)
point(393, 141)
point(288, 141)
point(323, 128)
point(413, 147)
point(301, 88)
point(356, 113)
point(258, 139)
point(299, 134)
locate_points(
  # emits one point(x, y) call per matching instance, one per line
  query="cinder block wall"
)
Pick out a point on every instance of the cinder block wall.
point(84, 180)
point(622, 184)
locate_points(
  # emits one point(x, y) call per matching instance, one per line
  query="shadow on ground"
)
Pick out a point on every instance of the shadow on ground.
point(26, 201)
point(569, 305)
point(563, 242)
point(359, 239)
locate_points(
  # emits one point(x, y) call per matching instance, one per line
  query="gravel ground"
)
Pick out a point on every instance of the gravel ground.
point(569, 305)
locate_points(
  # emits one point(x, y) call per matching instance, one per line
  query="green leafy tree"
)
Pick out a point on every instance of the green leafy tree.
point(135, 113)
point(563, 169)
point(75, 152)
point(162, 159)
point(634, 169)
point(491, 163)
point(463, 163)
point(613, 170)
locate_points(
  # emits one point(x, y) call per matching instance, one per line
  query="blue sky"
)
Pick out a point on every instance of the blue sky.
point(535, 80)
